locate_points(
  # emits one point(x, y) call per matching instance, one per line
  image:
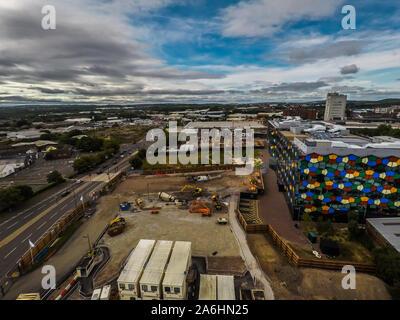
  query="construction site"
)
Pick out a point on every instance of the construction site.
point(197, 208)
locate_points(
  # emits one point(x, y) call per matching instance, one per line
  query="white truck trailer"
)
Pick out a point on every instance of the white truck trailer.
point(153, 274)
point(128, 281)
point(174, 283)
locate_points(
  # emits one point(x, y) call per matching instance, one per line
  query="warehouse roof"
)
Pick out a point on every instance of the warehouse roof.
point(389, 228)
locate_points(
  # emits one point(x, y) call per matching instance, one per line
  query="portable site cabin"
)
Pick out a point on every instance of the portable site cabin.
point(225, 288)
point(174, 283)
point(128, 281)
point(105, 293)
point(153, 274)
point(208, 287)
point(96, 294)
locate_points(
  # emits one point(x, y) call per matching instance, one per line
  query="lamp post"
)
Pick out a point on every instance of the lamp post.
point(90, 246)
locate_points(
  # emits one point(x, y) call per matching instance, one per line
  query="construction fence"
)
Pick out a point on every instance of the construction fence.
point(25, 263)
point(293, 257)
point(220, 167)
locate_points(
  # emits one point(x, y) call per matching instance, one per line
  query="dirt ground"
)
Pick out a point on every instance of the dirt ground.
point(208, 238)
point(289, 282)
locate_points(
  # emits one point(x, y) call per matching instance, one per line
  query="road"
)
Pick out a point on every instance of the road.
point(32, 223)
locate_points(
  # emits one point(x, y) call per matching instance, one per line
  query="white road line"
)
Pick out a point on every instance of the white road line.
point(26, 238)
point(53, 215)
point(5, 257)
point(41, 225)
point(12, 225)
point(28, 215)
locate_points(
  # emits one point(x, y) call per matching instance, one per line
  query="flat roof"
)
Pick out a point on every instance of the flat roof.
point(154, 271)
point(389, 228)
point(136, 261)
point(208, 287)
point(178, 264)
point(224, 124)
point(225, 287)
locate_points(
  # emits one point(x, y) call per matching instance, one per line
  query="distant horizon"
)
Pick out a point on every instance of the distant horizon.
point(197, 52)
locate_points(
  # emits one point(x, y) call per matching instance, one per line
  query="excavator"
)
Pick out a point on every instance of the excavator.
point(217, 203)
point(199, 207)
point(116, 226)
point(196, 192)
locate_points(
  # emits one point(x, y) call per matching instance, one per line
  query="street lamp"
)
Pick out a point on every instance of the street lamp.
point(90, 246)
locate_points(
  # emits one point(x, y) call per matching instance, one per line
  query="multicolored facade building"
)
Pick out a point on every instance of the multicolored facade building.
point(324, 170)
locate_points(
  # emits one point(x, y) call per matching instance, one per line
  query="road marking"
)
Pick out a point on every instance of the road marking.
point(38, 217)
point(26, 238)
point(41, 225)
point(9, 227)
point(53, 215)
point(6, 256)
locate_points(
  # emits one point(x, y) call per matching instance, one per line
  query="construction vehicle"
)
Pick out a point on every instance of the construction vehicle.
point(199, 207)
point(166, 197)
point(217, 203)
point(222, 221)
point(139, 202)
point(155, 211)
point(197, 191)
point(116, 226)
point(204, 178)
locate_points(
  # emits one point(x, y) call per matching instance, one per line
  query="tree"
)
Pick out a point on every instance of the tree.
point(307, 219)
point(12, 196)
point(142, 154)
point(324, 227)
point(55, 177)
point(136, 162)
point(353, 227)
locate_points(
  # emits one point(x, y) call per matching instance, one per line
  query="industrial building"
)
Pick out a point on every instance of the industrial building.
point(323, 169)
point(335, 108)
point(385, 231)
point(128, 281)
point(174, 283)
point(153, 274)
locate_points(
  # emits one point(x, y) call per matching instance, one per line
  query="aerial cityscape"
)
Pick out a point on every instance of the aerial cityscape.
point(199, 151)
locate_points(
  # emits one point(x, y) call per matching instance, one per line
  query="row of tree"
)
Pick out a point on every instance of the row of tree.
point(86, 163)
point(14, 195)
point(137, 161)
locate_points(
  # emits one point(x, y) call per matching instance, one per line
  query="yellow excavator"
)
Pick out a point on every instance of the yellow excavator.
point(196, 191)
point(217, 203)
point(116, 226)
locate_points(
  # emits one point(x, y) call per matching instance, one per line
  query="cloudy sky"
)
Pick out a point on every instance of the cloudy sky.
point(150, 51)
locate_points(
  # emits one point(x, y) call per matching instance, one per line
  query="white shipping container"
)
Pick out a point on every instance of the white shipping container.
point(105, 293)
point(153, 274)
point(208, 287)
point(174, 283)
point(96, 294)
point(225, 288)
point(128, 281)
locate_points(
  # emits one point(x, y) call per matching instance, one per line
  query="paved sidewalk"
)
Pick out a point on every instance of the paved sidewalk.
point(251, 263)
point(273, 209)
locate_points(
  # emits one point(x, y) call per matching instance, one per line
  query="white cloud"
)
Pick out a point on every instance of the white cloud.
point(265, 17)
